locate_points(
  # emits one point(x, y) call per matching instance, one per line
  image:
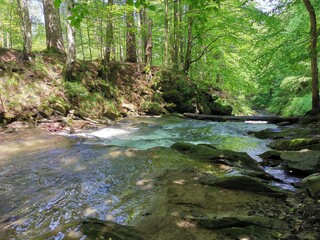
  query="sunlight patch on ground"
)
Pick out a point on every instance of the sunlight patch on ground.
point(180, 181)
point(145, 184)
point(89, 212)
point(186, 224)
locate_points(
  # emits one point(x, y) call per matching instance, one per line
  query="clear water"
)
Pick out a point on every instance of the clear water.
point(147, 132)
point(48, 180)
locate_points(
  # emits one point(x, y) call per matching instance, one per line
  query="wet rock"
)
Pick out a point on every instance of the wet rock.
point(312, 183)
point(281, 133)
point(305, 161)
point(296, 144)
point(220, 109)
point(97, 229)
point(209, 153)
point(271, 158)
point(250, 184)
point(242, 221)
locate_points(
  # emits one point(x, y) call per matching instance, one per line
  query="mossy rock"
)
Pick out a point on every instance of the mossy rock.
point(304, 161)
point(97, 229)
point(271, 158)
point(296, 144)
point(152, 108)
point(217, 222)
point(219, 109)
point(279, 133)
point(312, 183)
point(249, 184)
point(208, 153)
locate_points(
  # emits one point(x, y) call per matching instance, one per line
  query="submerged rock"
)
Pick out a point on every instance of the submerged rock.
point(211, 154)
point(305, 161)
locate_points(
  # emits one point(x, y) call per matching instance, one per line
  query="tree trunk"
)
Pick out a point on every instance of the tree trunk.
point(53, 27)
point(109, 38)
point(89, 40)
point(140, 44)
point(313, 57)
point(187, 58)
point(71, 53)
point(149, 50)
point(25, 27)
point(109, 42)
point(166, 34)
point(175, 53)
point(131, 55)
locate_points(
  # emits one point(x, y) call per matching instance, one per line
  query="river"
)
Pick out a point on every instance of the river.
point(51, 179)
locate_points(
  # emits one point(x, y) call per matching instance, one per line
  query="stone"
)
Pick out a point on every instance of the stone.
point(250, 184)
point(219, 109)
point(242, 221)
point(296, 144)
point(98, 229)
point(210, 154)
point(282, 133)
point(271, 158)
point(312, 183)
point(307, 161)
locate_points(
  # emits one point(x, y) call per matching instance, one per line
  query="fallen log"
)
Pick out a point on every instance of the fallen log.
point(218, 118)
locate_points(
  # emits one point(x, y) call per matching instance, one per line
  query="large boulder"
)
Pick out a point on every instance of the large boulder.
point(305, 161)
point(220, 109)
point(182, 95)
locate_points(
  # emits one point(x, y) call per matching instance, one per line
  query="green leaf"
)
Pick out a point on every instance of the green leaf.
point(130, 2)
point(137, 4)
point(152, 7)
point(57, 3)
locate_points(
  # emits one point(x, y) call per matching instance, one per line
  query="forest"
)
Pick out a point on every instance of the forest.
point(254, 55)
point(159, 119)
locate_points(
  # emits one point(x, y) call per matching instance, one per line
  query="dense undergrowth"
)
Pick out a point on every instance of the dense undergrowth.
point(289, 97)
point(37, 89)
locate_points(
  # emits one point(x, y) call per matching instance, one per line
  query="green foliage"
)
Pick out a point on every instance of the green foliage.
point(153, 108)
point(75, 90)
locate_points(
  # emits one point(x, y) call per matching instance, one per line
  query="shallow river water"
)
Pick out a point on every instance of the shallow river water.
point(48, 180)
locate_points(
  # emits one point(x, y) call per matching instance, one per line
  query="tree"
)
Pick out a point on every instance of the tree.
point(131, 53)
point(25, 28)
point(313, 57)
point(71, 51)
point(53, 27)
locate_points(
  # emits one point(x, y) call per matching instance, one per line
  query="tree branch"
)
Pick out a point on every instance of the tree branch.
point(206, 50)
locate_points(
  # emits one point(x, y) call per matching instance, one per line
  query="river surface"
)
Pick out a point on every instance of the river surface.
point(48, 180)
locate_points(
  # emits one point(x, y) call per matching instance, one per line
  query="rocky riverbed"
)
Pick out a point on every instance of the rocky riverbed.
point(188, 190)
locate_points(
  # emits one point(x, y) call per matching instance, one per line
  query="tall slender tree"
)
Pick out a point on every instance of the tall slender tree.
point(71, 51)
point(23, 11)
point(53, 27)
point(131, 52)
point(313, 57)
